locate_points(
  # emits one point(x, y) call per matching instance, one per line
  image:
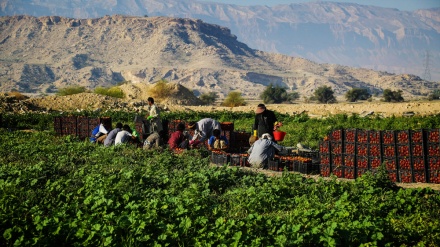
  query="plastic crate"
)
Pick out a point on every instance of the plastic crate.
point(434, 163)
point(336, 148)
point(220, 159)
point(325, 159)
point(361, 171)
point(417, 136)
point(338, 171)
point(362, 162)
point(389, 150)
point(350, 148)
point(417, 149)
point(393, 175)
point(336, 135)
point(433, 150)
point(405, 176)
point(349, 160)
point(433, 136)
point(309, 168)
point(402, 136)
point(362, 149)
point(375, 162)
point(434, 176)
point(350, 135)
point(337, 160)
point(349, 172)
point(388, 137)
point(325, 170)
point(418, 163)
point(390, 163)
point(362, 136)
point(419, 176)
point(404, 163)
point(244, 161)
point(374, 137)
point(374, 150)
point(273, 165)
point(324, 147)
point(235, 160)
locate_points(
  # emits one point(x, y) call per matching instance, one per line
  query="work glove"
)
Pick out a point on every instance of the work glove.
point(149, 117)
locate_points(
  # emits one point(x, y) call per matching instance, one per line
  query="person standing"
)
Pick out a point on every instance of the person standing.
point(262, 151)
point(154, 117)
point(264, 121)
point(203, 129)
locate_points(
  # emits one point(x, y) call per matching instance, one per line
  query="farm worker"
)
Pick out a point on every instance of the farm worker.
point(99, 133)
point(179, 138)
point(262, 150)
point(124, 136)
point(203, 129)
point(154, 117)
point(110, 139)
point(217, 141)
point(154, 140)
point(264, 121)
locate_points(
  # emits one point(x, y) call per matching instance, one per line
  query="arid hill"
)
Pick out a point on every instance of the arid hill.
point(39, 55)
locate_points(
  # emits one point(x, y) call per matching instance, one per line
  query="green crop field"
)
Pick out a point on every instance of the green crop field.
point(62, 191)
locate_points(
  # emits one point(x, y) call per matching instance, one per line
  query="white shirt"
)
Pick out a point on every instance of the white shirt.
point(122, 137)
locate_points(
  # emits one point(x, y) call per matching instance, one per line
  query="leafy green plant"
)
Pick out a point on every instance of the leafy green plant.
point(356, 94)
point(234, 99)
point(435, 95)
point(115, 92)
point(70, 90)
point(392, 96)
point(324, 94)
point(277, 94)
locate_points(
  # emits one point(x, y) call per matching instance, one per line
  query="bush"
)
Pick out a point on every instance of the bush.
point(324, 94)
point(392, 96)
point(70, 90)
point(356, 94)
point(115, 92)
point(234, 99)
point(160, 90)
point(276, 94)
point(18, 95)
point(208, 98)
point(434, 95)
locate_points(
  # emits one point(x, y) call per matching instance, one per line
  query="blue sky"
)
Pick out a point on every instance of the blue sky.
point(398, 4)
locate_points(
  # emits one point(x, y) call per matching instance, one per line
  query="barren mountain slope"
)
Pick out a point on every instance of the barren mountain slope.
point(46, 53)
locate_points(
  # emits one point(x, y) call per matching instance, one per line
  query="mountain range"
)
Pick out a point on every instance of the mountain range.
point(349, 34)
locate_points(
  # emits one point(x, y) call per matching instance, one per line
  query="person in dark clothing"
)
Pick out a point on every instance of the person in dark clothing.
point(180, 138)
point(264, 121)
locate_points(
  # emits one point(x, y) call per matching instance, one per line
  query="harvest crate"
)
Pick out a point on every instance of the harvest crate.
point(349, 160)
point(405, 176)
point(434, 163)
point(388, 137)
point(404, 163)
point(403, 150)
point(389, 150)
point(417, 149)
point(350, 148)
point(362, 162)
point(374, 137)
point(235, 159)
point(374, 150)
point(417, 136)
point(338, 171)
point(337, 160)
point(325, 170)
point(219, 159)
point(336, 148)
point(390, 163)
point(402, 136)
point(324, 147)
point(433, 136)
point(349, 172)
point(418, 163)
point(273, 165)
point(350, 135)
point(419, 176)
point(433, 150)
point(361, 171)
point(325, 159)
point(308, 168)
point(375, 162)
point(434, 176)
point(362, 149)
point(362, 136)
point(336, 135)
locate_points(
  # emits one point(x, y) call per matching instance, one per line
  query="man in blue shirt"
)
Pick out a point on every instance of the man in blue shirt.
point(217, 141)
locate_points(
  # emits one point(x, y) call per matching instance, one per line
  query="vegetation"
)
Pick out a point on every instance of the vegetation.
point(17, 95)
point(208, 98)
point(435, 95)
point(70, 90)
point(115, 92)
point(234, 99)
point(392, 96)
point(324, 94)
point(160, 90)
point(277, 94)
point(356, 94)
point(59, 191)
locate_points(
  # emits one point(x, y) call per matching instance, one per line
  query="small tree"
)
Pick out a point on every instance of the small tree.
point(112, 92)
point(70, 90)
point(276, 94)
point(234, 99)
point(356, 94)
point(160, 90)
point(392, 96)
point(324, 94)
point(208, 98)
point(434, 95)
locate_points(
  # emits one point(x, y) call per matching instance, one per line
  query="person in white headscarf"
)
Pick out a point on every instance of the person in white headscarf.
point(262, 151)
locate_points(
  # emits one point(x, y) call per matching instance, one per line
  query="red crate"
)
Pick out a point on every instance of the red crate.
point(324, 147)
point(349, 160)
point(403, 150)
point(434, 163)
point(392, 174)
point(349, 172)
point(402, 136)
point(337, 160)
point(388, 137)
point(374, 150)
point(434, 176)
point(350, 135)
point(362, 136)
point(336, 135)
point(325, 159)
point(417, 149)
point(390, 164)
point(325, 170)
point(350, 148)
point(404, 163)
point(420, 176)
point(362, 162)
point(227, 126)
point(361, 171)
point(389, 150)
point(336, 147)
point(433, 150)
point(433, 135)
point(416, 136)
point(362, 149)
point(418, 163)
point(375, 162)
point(374, 136)
point(273, 165)
point(405, 176)
point(338, 171)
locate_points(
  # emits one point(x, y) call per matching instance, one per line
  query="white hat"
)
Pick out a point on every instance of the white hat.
point(266, 136)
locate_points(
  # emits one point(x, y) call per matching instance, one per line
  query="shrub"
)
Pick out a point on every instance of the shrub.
point(356, 94)
point(18, 95)
point(115, 92)
point(324, 94)
point(434, 95)
point(392, 96)
point(208, 98)
point(276, 94)
point(161, 89)
point(71, 90)
point(234, 99)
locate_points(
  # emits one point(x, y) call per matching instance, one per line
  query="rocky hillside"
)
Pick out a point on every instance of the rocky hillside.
point(356, 35)
point(42, 54)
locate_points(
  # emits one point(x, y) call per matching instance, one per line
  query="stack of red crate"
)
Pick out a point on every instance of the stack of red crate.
point(324, 156)
point(418, 159)
point(350, 147)
point(336, 152)
point(361, 156)
point(433, 155)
